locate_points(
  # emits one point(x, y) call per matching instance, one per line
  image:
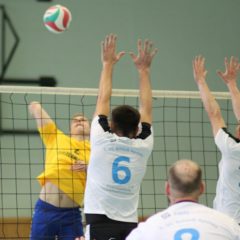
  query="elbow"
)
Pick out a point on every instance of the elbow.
point(215, 113)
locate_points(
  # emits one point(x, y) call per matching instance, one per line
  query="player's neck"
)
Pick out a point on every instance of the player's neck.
point(186, 199)
point(80, 137)
point(120, 134)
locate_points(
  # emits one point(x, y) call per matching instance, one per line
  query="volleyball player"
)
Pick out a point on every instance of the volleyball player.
point(57, 211)
point(227, 198)
point(185, 218)
point(119, 149)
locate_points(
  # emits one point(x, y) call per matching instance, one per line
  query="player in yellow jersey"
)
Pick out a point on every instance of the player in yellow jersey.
point(57, 211)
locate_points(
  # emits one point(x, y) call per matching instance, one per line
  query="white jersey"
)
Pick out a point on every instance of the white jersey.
point(187, 220)
point(227, 198)
point(116, 169)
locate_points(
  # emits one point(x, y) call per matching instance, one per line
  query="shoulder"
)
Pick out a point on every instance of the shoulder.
point(229, 222)
point(159, 217)
point(99, 128)
point(48, 128)
point(146, 130)
point(220, 217)
point(220, 134)
point(147, 229)
point(226, 141)
point(101, 120)
point(224, 133)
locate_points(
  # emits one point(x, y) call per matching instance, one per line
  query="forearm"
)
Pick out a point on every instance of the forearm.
point(235, 96)
point(39, 114)
point(105, 90)
point(210, 104)
point(212, 107)
point(145, 93)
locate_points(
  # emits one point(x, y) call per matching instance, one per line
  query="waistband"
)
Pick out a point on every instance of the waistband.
point(44, 205)
point(101, 218)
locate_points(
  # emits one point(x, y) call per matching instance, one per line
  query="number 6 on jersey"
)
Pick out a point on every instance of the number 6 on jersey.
point(117, 171)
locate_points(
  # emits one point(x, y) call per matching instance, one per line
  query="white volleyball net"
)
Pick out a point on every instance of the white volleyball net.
point(181, 131)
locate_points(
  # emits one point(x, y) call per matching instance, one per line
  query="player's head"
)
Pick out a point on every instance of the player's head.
point(184, 181)
point(125, 120)
point(79, 125)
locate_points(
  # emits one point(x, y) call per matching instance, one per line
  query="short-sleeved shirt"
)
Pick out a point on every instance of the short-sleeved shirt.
point(61, 152)
point(117, 167)
point(227, 198)
point(187, 220)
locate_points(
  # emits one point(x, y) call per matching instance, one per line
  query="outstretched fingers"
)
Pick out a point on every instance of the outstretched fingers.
point(146, 46)
point(109, 54)
point(139, 44)
point(133, 56)
point(234, 63)
point(145, 54)
point(199, 70)
point(220, 73)
point(232, 68)
point(154, 52)
point(110, 41)
point(119, 55)
point(226, 63)
point(148, 49)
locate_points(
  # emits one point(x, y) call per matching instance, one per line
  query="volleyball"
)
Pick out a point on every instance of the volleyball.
point(57, 18)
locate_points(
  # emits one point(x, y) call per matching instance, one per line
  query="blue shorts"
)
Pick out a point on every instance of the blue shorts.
point(49, 221)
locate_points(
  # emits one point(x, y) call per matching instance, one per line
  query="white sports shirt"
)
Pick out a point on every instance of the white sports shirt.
point(116, 169)
point(227, 198)
point(187, 221)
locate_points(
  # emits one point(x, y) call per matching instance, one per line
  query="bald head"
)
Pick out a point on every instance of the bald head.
point(185, 178)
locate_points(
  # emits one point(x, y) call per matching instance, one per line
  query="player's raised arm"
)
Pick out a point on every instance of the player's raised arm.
point(232, 68)
point(143, 63)
point(41, 116)
point(109, 59)
point(210, 104)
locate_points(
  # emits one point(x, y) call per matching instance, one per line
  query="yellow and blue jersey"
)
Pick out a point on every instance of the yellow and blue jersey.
point(61, 152)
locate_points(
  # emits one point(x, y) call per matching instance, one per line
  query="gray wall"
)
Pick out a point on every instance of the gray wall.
point(180, 30)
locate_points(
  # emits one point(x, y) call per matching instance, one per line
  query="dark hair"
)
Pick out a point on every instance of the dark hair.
point(186, 179)
point(125, 119)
